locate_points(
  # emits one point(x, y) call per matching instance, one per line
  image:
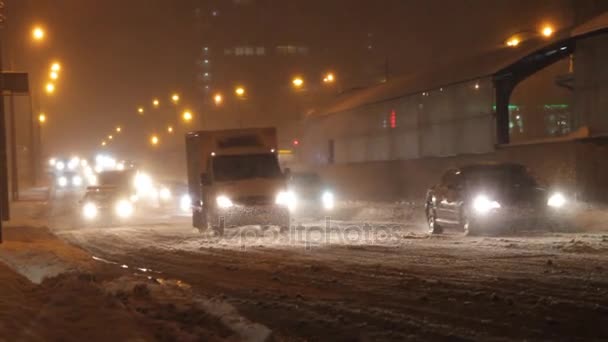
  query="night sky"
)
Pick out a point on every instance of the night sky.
point(118, 54)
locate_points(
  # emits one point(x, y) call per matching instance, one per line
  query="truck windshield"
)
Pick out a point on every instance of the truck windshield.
point(236, 167)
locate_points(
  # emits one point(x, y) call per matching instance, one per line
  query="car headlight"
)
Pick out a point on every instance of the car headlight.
point(223, 202)
point(286, 199)
point(124, 208)
point(62, 181)
point(185, 203)
point(92, 179)
point(76, 181)
point(482, 204)
point(556, 200)
point(89, 211)
point(164, 194)
point(328, 200)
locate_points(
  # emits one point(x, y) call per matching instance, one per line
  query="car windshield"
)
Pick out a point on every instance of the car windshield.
point(100, 196)
point(237, 167)
point(305, 179)
point(116, 178)
point(513, 176)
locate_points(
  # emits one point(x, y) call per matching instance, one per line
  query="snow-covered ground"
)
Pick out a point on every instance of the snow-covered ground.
point(370, 272)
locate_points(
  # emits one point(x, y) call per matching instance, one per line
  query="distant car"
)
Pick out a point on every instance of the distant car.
point(106, 204)
point(488, 198)
point(312, 196)
point(68, 179)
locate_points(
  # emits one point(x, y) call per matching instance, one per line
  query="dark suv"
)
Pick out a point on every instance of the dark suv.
point(486, 198)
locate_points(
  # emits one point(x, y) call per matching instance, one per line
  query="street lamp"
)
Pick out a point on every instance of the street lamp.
point(187, 116)
point(513, 42)
point(154, 140)
point(118, 129)
point(103, 143)
point(140, 110)
point(218, 99)
point(239, 91)
point(110, 137)
point(49, 88)
point(297, 82)
point(175, 98)
point(170, 129)
point(547, 31)
point(42, 118)
point(55, 66)
point(38, 33)
point(53, 75)
point(156, 103)
point(329, 78)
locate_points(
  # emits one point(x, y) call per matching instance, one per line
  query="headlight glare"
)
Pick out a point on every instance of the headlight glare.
point(482, 204)
point(62, 181)
point(328, 200)
point(286, 199)
point(223, 202)
point(124, 209)
point(89, 211)
point(556, 200)
point(164, 194)
point(185, 203)
point(76, 181)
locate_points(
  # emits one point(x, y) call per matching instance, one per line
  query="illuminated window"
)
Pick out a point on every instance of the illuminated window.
point(239, 51)
point(260, 51)
point(249, 51)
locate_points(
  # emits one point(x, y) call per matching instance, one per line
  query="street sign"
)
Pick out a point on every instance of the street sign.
point(15, 82)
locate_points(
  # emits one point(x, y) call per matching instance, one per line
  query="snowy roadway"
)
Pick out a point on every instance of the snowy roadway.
point(374, 276)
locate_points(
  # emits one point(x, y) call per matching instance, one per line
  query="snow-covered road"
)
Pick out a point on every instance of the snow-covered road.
point(375, 275)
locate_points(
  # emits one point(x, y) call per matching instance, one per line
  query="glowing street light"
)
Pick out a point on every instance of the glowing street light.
point(55, 67)
point(154, 140)
point(140, 110)
point(170, 129)
point(42, 118)
point(118, 129)
point(156, 103)
point(103, 143)
point(187, 116)
point(38, 33)
point(218, 99)
point(175, 98)
point(110, 137)
point(49, 88)
point(239, 91)
point(547, 31)
point(297, 82)
point(54, 75)
point(329, 78)
point(513, 42)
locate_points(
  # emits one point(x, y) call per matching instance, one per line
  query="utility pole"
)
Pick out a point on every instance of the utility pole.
point(3, 166)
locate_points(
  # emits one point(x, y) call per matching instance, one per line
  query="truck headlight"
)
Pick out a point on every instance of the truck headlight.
point(556, 200)
point(76, 181)
point(223, 202)
point(328, 200)
point(62, 181)
point(89, 211)
point(185, 203)
point(482, 204)
point(286, 199)
point(124, 208)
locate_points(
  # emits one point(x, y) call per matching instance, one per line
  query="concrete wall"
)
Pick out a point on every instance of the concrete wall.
point(579, 167)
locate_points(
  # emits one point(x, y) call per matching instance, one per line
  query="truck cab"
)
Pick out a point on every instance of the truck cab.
point(234, 179)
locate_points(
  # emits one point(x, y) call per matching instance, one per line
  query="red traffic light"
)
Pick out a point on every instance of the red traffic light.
point(296, 142)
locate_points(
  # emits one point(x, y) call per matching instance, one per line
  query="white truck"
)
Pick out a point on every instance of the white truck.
point(234, 179)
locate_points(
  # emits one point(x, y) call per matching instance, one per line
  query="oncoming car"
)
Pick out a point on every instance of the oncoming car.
point(106, 205)
point(311, 195)
point(489, 198)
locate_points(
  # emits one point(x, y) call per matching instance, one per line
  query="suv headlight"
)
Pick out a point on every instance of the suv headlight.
point(89, 211)
point(482, 204)
point(223, 202)
point(185, 203)
point(328, 200)
point(556, 200)
point(286, 199)
point(124, 208)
